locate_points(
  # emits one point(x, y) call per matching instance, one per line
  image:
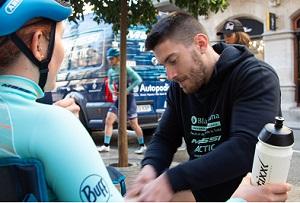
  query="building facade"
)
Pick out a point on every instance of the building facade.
point(274, 28)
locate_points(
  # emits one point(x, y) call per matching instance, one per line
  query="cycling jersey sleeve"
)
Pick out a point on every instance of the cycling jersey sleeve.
point(134, 77)
point(110, 81)
point(74, 168)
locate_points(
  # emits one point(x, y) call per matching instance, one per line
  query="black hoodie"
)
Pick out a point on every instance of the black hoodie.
point(220, 124)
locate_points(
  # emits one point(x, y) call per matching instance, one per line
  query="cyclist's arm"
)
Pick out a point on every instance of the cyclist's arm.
point(110, 81)
point(74, 168)
point(134, 77)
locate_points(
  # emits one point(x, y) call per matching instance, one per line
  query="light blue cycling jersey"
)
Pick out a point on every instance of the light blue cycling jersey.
point(113, 74)
point(74, 169)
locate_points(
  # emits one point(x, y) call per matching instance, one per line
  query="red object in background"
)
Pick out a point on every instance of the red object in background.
point(108, 94)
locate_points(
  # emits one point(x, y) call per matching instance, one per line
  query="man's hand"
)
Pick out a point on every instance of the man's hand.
point(69, 104)
point(265, 193)
point(158, 190)
point(146, 175)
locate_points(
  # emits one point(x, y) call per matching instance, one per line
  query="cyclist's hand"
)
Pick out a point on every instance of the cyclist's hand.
point(116, 93)
point(69, 104)
point(264, 193)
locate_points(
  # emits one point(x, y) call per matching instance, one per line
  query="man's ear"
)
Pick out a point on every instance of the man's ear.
point(38, 45)
point(201, 41)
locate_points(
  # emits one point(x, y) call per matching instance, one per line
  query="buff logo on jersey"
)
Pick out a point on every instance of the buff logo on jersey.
point(93, 189)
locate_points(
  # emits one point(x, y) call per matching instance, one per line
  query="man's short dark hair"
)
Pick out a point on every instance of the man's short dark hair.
point(178, 26)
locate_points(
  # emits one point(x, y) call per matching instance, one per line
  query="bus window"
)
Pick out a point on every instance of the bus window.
point(88, 50)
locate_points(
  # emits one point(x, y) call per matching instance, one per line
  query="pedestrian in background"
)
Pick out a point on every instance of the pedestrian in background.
point(234, 33)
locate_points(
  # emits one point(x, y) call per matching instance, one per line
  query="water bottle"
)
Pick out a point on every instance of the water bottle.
point(273, 154)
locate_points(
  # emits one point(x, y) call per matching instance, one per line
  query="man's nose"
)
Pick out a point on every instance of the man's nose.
point(171, 73)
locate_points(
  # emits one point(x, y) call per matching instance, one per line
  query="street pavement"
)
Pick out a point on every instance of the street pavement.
point(134, 160)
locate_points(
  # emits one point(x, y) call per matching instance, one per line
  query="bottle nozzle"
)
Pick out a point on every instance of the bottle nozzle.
point(279, 121)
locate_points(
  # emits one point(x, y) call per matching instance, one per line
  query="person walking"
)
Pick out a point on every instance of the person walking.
point(133, 80)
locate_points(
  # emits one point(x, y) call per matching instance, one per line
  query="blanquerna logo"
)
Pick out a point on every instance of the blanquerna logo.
point(94, 189)
point(194, 119)
point(12, 6)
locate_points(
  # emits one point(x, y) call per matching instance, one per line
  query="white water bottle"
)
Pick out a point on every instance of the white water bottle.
point(273, 154)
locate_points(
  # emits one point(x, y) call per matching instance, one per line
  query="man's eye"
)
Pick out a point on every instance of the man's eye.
point(172, 61)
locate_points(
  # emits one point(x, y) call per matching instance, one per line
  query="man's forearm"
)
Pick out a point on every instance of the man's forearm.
point(228, 161)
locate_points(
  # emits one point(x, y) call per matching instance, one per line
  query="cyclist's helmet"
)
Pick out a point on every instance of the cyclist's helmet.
point(112, 52)
point(14, 14)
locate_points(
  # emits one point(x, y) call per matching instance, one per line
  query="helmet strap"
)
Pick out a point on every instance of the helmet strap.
point(42, 65)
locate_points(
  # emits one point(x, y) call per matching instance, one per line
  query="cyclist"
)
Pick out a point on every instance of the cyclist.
point(31, 54)
point(113, 56)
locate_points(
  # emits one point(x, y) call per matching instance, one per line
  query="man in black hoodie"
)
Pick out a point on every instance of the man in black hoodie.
point(219, 99)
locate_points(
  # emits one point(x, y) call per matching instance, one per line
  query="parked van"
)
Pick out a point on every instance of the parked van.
point(83, 74)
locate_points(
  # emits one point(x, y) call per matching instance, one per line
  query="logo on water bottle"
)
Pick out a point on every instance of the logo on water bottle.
point(263, 172)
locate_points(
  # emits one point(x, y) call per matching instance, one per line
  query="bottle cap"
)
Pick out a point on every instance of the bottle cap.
point(277, 134)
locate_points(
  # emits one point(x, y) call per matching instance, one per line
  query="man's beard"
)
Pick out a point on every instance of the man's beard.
point(196, 74)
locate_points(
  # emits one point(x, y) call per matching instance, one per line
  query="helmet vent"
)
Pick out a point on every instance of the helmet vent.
point(64, 2)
